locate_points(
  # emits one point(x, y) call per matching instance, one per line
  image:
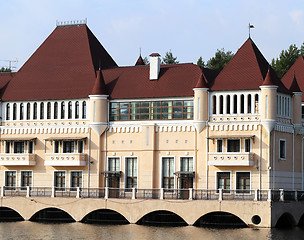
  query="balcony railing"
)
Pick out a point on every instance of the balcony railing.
point(231, 159)
point(17, 159)
point(161, 193)
point(65, 159)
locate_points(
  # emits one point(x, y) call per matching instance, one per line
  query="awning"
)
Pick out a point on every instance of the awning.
point(112, 173)
point(19, 139)
point(184, 173)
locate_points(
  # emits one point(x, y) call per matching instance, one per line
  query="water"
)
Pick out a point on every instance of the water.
point(32, 230)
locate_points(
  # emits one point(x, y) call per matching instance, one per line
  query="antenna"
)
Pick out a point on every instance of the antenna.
point(249, 27)
point(10, 63)
point(139, 51)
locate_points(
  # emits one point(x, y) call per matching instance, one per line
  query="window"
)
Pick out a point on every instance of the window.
point(55, 110)
point(14, 111)
point(84, 110)
point(7, 147)
point(235, 104)
point(62, 110)
point(21, 113)
point(26, 179)
point(114, 164)
point(76, 180)
point(249, 103)
point(214, 104)
point(219, 145)
point(187, 164)
point(56, 146)
point(242, 103)
point(80, 146)
point(76, 110)
point(48, 110)
point(35, 111)
point(30, 147)
point(19, 147)
point(233, 145)
point(256, 103)
point(243, 182)
point(131, 163)
point(247, 145)
point(8, 111)
point(302, 111)
point(69, 110)
point(42, 110)
point(28, 111)
point(221, 104)
point(223, 181)
point(282, 149)
point(228, 104)
point(59, 180)
point(10, 180)
point(168, 173)
point(68, 146)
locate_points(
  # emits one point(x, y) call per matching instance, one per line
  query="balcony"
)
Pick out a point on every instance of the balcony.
point(65, 159)
point(231, 159)
point(17, 159)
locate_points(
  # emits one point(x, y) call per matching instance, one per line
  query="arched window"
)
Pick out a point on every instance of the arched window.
point(55, 110)
point(62, 110)
point(21, 111)
point(8, 112)
point(256, 103)
point(76, 109)
point(242, 103)
point(228, 104)
point(221, 104)
point(288, 107)
point(14, 111)
point(48, 110)
point(69, 110)
point(214, 104)
point(35, 111)
point(249, 103)
point(42, 110)
point(235, 103)
point(84, 110)
point(28, 111)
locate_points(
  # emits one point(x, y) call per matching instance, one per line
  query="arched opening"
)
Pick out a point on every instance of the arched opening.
point(8, 111)
point(221, 104)
point(21, 112)
point(214, 104)
point(69, 110)
point(301, 222)
point(249, 103)
point(162, 218)
point(235, 104)
point(42, 110)
point(220, 220)
point(52, 215)
point(55, 110)
point(76, 109)
point(14, 111)
point(48, 111)
point(285, 221)
point(84, 110)
point(28, 111)
point(9, 215)
point(105, 216)
point(228, 104)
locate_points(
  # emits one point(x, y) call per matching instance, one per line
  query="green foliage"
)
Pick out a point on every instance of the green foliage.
point(286, 59)
point(169, 58)
point(219, 61)
point(3, 69)
point(146, 61)
point(200, 62)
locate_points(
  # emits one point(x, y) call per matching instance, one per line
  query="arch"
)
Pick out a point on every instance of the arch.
point(55, 110)
point(62, 110)
point(228, 104)
point(21, 111)
point(84, 110)
point(105, 216)
point(48, 110)
point(76, 110)
point(35, 111)
point(214, 104)
point(220, 219)
point(9, 215)
point(52, 215)
point(28, 111)
point(162, 217)
point(256, 103)
point(235, 103)
point(14, 111)
point(221, 104)
point(249, 103)
point(42, 110)
point(301, 221)
point(242, 103)
point(286, 220)
point(8, 111)
point(69, 110)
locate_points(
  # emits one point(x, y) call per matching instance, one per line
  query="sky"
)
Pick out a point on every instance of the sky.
point(189, 28)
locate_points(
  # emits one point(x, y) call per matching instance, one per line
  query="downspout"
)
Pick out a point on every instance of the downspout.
point(273, 161)
point(195, 152)
point(89, 156)
point(260, 159)
point(105, 163)
point(207, 148)
point(302, 164)
point(293, 164)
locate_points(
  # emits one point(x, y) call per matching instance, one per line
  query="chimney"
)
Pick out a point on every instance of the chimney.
point(154, 66)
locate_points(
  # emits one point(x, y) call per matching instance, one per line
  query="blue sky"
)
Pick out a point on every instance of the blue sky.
point(190, 28)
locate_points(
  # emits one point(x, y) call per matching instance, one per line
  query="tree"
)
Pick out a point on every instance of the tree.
point(200, 62)
point(169, 58)
point(286, 59)
point(3, 69)
point(146, 61)
point(219, 61)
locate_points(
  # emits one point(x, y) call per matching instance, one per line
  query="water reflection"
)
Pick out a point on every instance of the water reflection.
point(32, 230)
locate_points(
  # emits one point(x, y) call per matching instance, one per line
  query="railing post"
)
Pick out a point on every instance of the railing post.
point(78, 192)
point(269, 195)
point(106, 193)
point(281, 195)
point(53, 192)
point(220, 195)
point(133, 193)
point(296, 195)
point(256, 194)
point(2, 191)
point(161, 194)
point(190, 193)
point(28, 191)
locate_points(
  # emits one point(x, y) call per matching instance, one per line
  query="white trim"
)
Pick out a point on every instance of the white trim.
point(70, 177)
point(96, 97)
point(235, 178)
point(126, 170)
point(153, 99)
point(161, 170)
point(284, 140)
point(20, 180)
point(269, 87)
point(65, 177)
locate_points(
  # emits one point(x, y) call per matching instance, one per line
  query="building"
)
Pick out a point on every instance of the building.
point(72, 118)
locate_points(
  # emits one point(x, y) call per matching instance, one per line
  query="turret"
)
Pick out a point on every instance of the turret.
point(296, 106)
point(200, 104)
point(268, 102)
point(99, 105)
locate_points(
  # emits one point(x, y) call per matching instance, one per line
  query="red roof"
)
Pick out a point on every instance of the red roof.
point(139, 61)
point(201, 83)
point(246, 70)
point(269, 79)
point(62, 67)
point(295, 86)
point(5, 77)
point(99, 86)
point(296, 70)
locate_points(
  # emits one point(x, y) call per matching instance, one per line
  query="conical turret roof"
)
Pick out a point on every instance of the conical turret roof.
point(201, 83)
point(99, 86)
point(140, 61)
point(295, 86)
